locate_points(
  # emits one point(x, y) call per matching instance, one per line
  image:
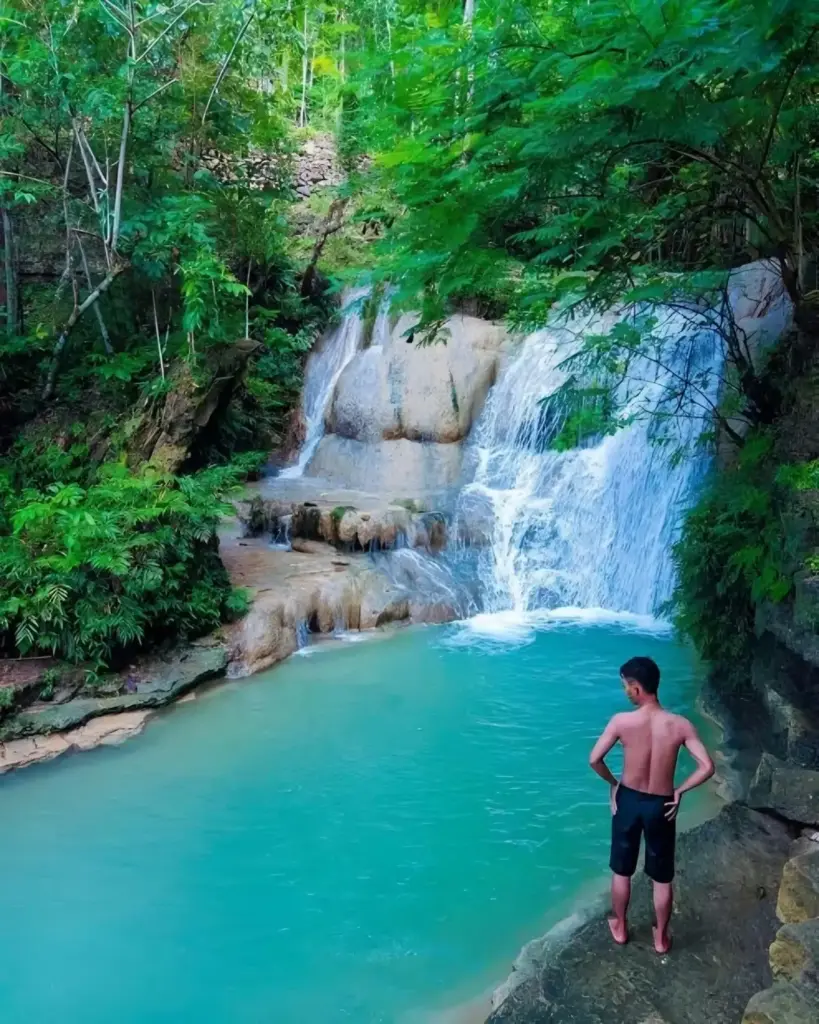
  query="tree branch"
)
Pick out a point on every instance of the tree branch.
point(156, 92)
point(226, 62)
point(62, 339)
point(785, 89)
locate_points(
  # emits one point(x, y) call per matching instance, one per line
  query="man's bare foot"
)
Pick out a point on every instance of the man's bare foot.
point(662, 943)
point(619, 931)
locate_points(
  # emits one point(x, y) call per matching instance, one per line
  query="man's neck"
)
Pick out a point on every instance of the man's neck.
point(650, 704)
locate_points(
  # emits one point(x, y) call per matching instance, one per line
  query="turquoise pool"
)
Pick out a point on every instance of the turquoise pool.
point(365, 834)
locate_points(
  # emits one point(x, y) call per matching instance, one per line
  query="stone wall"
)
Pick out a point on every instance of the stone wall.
point(314, 166)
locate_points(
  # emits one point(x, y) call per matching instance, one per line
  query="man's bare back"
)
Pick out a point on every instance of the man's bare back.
point(651, 739)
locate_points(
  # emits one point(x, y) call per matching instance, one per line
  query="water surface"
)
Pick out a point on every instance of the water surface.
point(366, 833)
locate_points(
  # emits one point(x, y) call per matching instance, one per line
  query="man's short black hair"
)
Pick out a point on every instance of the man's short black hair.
point(643, 671)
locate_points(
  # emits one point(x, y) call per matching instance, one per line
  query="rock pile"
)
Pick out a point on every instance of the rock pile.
point(316, 166)
point(259, 169)
point(794, 954)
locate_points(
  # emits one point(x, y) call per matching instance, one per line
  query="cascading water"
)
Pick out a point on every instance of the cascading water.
point(591, 527)
point(324, 367)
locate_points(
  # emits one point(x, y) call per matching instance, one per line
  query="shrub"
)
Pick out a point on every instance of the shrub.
point(90, 573)
point(735, 552)
point(6, 700)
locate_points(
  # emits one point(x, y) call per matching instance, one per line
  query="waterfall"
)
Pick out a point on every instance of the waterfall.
point(591, 527)
point(324, 367)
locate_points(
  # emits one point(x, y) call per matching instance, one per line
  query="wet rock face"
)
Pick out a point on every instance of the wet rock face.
point(429, 392)
point(401, 409)
point(789, 791)
point(724, 921)
point(400, 467)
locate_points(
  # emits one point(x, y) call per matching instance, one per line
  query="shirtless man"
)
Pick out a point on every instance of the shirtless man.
point(644, 801)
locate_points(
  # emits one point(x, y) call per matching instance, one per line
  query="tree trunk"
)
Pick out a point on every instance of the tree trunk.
point(304, 62)
point(333, 222)
point(8, 282)
point(71, 322)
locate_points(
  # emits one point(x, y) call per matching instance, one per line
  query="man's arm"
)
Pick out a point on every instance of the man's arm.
point(597, 758)
point(702, 773)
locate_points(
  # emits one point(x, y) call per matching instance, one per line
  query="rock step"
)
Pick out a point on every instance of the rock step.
point(790, 791)
point(784, 1003)
point(343, 526)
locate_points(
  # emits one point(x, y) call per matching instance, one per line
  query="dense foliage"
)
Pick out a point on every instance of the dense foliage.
point(90, 572)
point(136, 250)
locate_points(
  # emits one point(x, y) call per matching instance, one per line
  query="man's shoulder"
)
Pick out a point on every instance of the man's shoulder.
point(680, 722)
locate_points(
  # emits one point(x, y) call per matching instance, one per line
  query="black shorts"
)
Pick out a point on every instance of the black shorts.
point(641, 814)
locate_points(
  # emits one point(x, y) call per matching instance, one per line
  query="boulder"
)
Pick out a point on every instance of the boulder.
point(788, 790)
point(168, 431)
point(783, 1003)
point(794, 953)
point(307, 547)
point(799, 889)
point(430, 392)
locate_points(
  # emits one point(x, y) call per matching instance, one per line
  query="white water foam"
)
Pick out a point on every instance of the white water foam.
point(512, 628)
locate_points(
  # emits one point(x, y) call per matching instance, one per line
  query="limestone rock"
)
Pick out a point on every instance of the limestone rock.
point(422, 393)
point(783, 1003)
point(307, 547)
point(799, 889)
point(153, 683)
point(362, 408)
point(295, 594)
point(433, 613)
point(108, 730)
point(795, 951)
point(265, 636)
point(401, 468)
point(787, 790)
point(167, 432)
point(30, 750)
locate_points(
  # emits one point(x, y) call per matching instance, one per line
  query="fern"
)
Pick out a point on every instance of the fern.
point(93, 572)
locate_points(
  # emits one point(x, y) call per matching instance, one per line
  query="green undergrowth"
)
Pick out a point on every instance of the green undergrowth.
point(96, 570)
point(754, 530)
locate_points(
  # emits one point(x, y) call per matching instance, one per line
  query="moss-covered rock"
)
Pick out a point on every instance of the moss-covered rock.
point(794, 952)
point(799, 890)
